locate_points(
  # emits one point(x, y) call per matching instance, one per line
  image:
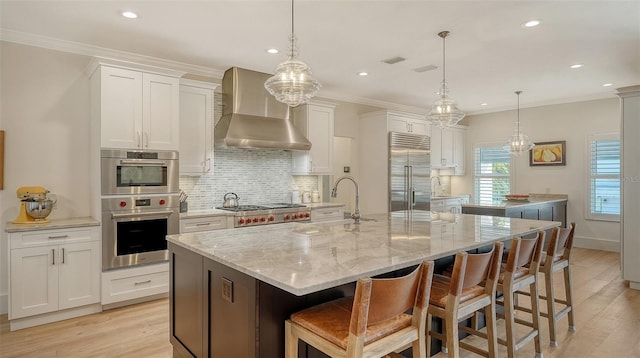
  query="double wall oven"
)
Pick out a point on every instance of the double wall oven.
point(140, 206)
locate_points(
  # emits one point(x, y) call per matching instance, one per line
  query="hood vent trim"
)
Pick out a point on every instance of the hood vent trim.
point(252, 118)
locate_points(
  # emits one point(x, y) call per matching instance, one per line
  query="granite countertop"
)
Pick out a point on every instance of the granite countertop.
point(53, 224)
point(533, 199)
point(305, 258)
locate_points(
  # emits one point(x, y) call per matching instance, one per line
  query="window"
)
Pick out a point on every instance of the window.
point(491, 175)
point(604, 177)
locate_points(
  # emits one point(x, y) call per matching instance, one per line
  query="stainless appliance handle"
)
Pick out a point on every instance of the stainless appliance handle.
point(406, 187)
point(412, 191)
point(146, 162)
point(63, 255)
point(148, 213)
point(53, 256)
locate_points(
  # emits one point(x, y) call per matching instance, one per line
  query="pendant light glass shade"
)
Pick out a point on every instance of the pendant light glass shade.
point(293, 82)
point(444, 111)
point(518, 143)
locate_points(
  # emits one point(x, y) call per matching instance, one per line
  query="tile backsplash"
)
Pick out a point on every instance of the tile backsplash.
point(258, 176)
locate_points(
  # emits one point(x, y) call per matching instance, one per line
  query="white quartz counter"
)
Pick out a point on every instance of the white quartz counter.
point(304, 258)
point(53, 224)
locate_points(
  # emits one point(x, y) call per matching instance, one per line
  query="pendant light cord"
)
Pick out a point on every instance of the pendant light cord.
point(518, 111)
point(292, 30)
point(444, 63)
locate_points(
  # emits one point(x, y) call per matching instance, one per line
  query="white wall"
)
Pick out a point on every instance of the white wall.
point(45, 113)
point(572, 122)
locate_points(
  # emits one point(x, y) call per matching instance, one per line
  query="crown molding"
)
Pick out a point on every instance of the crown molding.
point(96, 51)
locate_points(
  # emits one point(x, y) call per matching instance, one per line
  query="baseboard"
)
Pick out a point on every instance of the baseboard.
point(37, 320)
point(4, 303)
point(596, 244)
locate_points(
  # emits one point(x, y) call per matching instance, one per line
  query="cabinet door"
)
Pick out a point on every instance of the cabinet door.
point(33, 281)
point(120, 108)
point(160, 124)
point(458, 151)
point(398, 124)
point(436, 146)
point(196, 118)
point(419, 127)
point(447, 147)
point(79, 274)
point(316, 123)
point(321, 138)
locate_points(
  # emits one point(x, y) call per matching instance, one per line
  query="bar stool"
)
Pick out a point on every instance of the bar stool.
point(460, 296)
point(373, 323)
point(558, 257)
point(521, 270)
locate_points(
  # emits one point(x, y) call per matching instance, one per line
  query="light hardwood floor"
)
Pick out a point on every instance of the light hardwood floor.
point(607, 321)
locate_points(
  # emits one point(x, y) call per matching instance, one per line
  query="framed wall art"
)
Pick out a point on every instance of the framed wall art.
point(548, 153)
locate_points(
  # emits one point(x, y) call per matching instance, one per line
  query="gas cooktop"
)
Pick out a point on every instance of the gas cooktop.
point(250, 215)
point(262, 207)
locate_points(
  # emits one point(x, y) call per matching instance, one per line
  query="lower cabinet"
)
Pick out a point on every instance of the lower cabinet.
point(327, 214)
point(52, 270)
point(134, 283)
point(205, 223)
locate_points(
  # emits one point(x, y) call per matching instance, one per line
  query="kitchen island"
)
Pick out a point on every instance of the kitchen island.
point(552, 207)
point(231, 290)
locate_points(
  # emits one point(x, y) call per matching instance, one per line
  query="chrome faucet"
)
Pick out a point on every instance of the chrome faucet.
point(334, 193)
point(433, 187)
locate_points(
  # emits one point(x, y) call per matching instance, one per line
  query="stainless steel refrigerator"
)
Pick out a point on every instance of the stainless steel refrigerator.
point(409, 172)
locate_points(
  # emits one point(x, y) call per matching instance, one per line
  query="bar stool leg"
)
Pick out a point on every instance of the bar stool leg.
point(551, 313)
point(451, 334)
point(535, 317)
point(569, 296)
point(509, 321)
point(428, 335)
point(291, 345)
point(492, 338)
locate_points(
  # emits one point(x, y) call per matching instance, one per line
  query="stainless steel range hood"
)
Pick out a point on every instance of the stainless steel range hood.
point(252, 118)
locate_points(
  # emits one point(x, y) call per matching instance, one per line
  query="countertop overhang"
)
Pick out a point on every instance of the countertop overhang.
point(304, 258)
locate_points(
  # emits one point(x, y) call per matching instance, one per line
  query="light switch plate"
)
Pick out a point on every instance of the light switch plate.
point(227, 289)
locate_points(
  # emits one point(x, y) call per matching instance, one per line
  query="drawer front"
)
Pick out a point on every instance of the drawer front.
point(327, 214)
point(204, 224)
point(123, 285)
point(52, 237)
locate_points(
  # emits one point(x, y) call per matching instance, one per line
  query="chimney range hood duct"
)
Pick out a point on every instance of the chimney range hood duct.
point(252, 118)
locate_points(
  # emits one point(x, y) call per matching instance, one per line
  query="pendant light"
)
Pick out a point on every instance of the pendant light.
point(292, 83)
point(518, 143)
point(444, 111)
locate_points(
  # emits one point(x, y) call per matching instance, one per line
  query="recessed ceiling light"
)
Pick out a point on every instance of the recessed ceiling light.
point(130, 14)
point(363, 73)
point(531, 23)
point(577, 65)
point(483, 103)
point(272, 50)
point(607, 85)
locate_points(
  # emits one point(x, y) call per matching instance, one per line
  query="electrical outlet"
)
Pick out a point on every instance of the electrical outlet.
point(227, 289)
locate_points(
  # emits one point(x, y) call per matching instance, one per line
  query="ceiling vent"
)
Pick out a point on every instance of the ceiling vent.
point(394, 60)
point(425, 68)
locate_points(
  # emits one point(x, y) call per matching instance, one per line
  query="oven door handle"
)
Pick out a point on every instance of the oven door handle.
point(149, 213)
point(146, 162)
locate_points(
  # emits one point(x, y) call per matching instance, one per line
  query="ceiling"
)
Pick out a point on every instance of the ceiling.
point(489, 54)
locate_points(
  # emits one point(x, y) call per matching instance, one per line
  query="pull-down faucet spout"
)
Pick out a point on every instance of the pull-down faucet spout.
point(334, 193)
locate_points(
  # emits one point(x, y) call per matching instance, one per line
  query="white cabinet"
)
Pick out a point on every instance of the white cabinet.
point(449, 205)
point(327, 214)
point(315, 121)
point(136, 110)
point(447, 148)
point(206, 223)
point(406, 124)
point(196, 122)
point(139, 282)
point(53, 270)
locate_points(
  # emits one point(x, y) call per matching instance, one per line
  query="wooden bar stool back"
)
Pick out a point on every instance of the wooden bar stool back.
point(521, 270)
point(471, 287)
point(373, 323)
point(558, 257)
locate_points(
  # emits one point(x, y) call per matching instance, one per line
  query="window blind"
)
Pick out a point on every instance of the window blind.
point(604, 193)
point(492, 174)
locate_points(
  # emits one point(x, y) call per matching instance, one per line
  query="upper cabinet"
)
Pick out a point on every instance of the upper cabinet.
point(137, 110)
point(447, 148)
point(196, 122)
point(315, 121)
point(405, 123)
